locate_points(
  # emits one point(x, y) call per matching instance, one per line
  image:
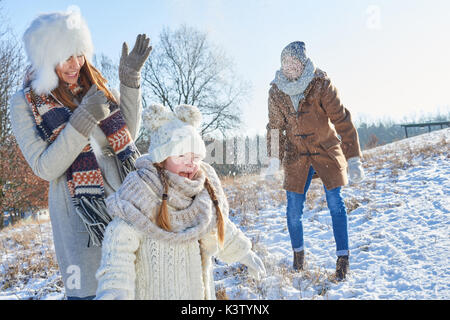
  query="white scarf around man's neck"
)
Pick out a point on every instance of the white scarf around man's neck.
point(295, 89)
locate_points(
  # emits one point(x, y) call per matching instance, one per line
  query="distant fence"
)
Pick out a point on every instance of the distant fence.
point(247, 155)
point(426, 124)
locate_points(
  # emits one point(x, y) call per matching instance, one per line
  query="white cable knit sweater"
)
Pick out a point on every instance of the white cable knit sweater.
point(142, 261)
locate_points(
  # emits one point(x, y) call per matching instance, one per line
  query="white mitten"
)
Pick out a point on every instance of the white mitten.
point(254, 264)
point(355, 170)
point(112, 294)
point(274, 167)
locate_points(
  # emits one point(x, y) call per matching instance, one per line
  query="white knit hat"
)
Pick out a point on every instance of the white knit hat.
point(173, 133)
point(51, 39)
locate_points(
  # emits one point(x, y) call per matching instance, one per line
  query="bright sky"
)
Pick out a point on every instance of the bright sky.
point(387, 58)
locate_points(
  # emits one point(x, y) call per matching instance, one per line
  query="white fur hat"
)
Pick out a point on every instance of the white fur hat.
point(51, 39)
point(173, 133)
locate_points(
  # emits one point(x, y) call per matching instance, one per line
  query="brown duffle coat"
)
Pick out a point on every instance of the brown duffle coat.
point(309, 136)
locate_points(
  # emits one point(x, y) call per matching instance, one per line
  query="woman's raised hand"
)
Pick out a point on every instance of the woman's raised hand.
point(131, 63)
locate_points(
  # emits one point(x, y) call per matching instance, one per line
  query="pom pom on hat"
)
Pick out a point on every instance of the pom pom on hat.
point(189, 114)
point(155, 116)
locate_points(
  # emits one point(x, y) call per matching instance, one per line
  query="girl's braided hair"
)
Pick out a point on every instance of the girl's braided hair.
point(162, 219)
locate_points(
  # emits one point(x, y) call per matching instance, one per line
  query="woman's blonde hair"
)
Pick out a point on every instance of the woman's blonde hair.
point(89, 75)
point(162, 219)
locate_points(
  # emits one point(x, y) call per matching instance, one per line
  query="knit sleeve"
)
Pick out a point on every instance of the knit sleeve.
point(117, 268)
point(236, 244)
point(131, 108)
point(48, 161)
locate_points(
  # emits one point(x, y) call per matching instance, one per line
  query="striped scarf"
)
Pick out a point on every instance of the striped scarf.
point(84, 178)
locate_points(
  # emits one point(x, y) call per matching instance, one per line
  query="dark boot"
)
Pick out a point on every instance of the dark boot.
point(299, 258)
point(342, 266)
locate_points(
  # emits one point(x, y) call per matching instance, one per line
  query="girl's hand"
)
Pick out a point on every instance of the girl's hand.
point(255, 265)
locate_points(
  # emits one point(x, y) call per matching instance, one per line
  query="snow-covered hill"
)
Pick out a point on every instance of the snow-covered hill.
point(399, 229)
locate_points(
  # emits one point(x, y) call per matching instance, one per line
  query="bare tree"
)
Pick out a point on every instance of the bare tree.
point(20, 189)
point(186, 68)
point(109, 70)
point(11, 68)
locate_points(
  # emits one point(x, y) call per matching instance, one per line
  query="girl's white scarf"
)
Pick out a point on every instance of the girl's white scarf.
point(191, 211)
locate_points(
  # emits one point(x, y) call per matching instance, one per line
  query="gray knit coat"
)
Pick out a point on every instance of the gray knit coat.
point(77, 262)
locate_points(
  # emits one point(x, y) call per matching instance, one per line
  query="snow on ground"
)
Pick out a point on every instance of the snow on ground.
point(399, 233)
point(28, 268)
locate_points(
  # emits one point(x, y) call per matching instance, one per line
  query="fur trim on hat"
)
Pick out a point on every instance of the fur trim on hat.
point(51, 39)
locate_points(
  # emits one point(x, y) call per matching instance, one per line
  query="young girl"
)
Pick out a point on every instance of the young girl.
point(170, 218)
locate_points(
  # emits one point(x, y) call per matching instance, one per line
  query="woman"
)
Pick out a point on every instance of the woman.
point(77, 135)
point(170, 218)
point(306, 117)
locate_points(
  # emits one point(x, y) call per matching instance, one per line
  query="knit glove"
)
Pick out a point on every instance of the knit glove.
point(254, 265)
point(112, 294)
point(131, 64)
point(92, 109)
point(355, 170)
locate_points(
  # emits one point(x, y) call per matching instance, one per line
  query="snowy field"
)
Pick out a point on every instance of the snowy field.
point(399, 232)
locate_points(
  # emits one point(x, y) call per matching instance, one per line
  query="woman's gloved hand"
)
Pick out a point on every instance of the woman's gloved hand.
point(355, 170)
point(93, 108)
point(131, 64)
point(254, 264)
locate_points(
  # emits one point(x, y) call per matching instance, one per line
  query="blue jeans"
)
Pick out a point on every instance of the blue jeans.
point(336, 205)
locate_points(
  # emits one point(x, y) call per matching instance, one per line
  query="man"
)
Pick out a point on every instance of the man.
point(307, 116)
